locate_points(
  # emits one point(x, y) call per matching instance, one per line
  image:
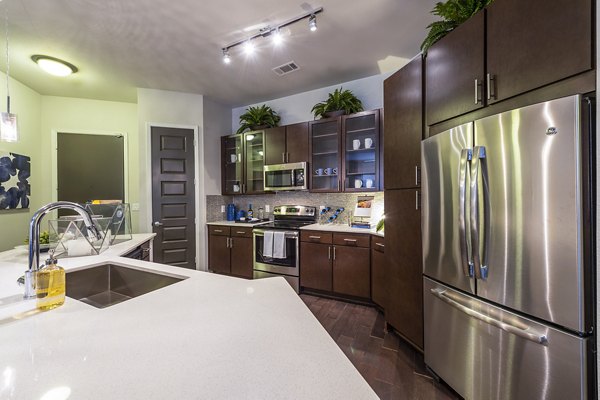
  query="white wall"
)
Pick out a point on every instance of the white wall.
point(296, 108)
point(217, 123)
point(166, 108)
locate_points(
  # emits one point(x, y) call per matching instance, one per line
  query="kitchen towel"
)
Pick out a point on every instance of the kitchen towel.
point(268, 244)
point(279, 245)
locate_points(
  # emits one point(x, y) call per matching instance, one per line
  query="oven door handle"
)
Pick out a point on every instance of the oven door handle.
point(288, 234)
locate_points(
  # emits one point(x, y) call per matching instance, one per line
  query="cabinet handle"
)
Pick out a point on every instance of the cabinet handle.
point(380, 245)
point(333, 253)
point(287, 157)
point(477, 97)
point(417, 200)
point(227, 243)
point(240, 233)
point(339, 185)
point(350, 240)
point(417, 178)
point(231, 243)
point(218, 230)
point(243, 188)
point(329, 252)
point(283, 157)
point(315, 237)
point(491, 80)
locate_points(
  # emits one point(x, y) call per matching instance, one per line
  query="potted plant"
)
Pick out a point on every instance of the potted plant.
point(338, 102)
point(453, 13)
point(258, 117)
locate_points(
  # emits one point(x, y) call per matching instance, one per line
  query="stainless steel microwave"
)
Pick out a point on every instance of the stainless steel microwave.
point(291, 176)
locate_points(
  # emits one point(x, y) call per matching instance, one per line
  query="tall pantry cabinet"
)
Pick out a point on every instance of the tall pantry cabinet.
point(403, 124)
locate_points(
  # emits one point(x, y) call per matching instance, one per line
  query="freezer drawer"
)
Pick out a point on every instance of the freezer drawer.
point(484, 352)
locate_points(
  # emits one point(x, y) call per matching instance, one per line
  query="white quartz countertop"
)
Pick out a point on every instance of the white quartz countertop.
point(206, 337)
point(341, 228)
point(233, 223)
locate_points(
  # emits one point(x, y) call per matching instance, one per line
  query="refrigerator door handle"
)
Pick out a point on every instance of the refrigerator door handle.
point(465, 157)
point(479, 259)
point(522, 331)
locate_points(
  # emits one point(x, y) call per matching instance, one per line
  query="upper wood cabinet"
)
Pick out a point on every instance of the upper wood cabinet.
point(325, 137)
point(528, 44)
point(242, 161)
point(536, 42)
point(286, 144)
point(455, 71)
point(403, 126)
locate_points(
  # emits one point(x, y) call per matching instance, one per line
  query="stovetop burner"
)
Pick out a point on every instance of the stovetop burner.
point(292, 217)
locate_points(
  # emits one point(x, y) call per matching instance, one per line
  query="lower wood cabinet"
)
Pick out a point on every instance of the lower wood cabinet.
point(403, 260)
point(230, 250)
point(338, 263)
point(378, 267)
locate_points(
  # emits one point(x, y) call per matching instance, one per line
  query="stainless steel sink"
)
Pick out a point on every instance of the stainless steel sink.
point(105, 285)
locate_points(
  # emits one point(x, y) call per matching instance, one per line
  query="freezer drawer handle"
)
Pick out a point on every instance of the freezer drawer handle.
point(465, 157)
point(534, 337)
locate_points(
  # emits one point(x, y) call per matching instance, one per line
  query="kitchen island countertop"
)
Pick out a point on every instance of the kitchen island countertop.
point(208, 336)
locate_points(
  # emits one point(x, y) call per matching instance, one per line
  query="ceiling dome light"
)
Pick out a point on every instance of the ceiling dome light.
point(226, 56)
point(54, 66)
point(312, 23)
point(277, 37)
point(249, 47)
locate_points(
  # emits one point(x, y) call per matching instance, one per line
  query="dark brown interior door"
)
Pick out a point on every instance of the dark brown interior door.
point(275, 145)
point(404, 276)
point(173, 198)
point(403, 103)
point(536, 42)
point(297, 142)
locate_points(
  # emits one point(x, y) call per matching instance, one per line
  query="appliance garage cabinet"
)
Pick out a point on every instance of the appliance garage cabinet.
point(230, 250)
point(509, 48)
point(336, 262)
point(242, 162)
point(345, 153)
point(403, 268)
point(286, 144)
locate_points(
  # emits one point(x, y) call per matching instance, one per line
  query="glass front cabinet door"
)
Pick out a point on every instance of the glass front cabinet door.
point(361, 151)
point(232, 164)
point(242, 163)
point(255, 161)
point(325, 162)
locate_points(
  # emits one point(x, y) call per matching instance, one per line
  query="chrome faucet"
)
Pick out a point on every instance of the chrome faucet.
point(34, 238)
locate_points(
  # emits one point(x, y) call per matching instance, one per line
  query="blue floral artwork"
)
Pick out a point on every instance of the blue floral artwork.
point(15, 171)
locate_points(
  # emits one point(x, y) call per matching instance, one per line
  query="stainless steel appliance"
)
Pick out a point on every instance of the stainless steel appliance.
point(291, 176)
point(289, 220)
point(508, 292)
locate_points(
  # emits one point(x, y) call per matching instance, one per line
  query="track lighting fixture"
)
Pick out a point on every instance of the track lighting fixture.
point(273, 31)
point(312, 23)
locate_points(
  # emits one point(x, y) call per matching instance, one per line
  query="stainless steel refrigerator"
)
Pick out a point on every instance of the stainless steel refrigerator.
point(508, 272)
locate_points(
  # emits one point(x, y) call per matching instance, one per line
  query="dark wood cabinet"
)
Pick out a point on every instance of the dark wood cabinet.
point(316, 266)
point(509, 49)
point(325, 137)
point(455, 71)
point(404, 306)
point(378, 271)
point(230, 250)
point(286, 144)
point(351, 271)
point(403, 104)
point(533, 43)
point(242, 161)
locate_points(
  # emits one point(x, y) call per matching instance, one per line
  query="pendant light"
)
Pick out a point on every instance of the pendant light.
point(8, 122)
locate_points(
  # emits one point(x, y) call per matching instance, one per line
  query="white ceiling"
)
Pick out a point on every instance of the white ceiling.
point(119, 45)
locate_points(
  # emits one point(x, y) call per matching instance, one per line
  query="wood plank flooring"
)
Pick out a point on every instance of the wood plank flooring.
point(392, 367)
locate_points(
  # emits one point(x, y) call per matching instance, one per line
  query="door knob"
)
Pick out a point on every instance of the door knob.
point(158, 224)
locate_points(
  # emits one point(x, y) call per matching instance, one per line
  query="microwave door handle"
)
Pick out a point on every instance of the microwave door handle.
point(465, 157)
point(293, 178)
point(476, 233)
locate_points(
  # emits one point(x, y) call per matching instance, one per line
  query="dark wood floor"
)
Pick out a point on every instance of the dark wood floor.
point(391, 366)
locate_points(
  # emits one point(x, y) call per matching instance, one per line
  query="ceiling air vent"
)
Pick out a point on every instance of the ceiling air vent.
point(286, 68)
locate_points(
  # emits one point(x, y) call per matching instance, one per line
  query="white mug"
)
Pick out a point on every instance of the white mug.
point(236, 188)
point(356, 144)
point(369, 183)
point(358, 183)
point(368, 143)
point(233, 158)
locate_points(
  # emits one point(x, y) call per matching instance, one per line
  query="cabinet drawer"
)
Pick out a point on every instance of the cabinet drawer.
point(241, 232)
point(378, 244)
point(218, 230)
point(316, 237)
point(348, 239)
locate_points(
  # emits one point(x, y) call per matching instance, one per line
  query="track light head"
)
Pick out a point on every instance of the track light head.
point(226, 56)
point(312, 23)
point(249, 47)
point(277, 37)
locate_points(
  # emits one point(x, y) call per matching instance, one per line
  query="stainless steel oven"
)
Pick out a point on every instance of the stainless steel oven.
point(286, 220)
point(291, 176)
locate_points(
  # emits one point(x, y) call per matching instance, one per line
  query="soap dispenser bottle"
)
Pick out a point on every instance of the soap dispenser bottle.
point(50, 285)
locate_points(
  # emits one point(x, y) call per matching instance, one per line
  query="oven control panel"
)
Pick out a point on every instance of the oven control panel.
point(308, 211)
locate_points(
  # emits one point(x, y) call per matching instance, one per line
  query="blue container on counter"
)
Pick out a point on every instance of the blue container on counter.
point(240, 214)
point(230, 212)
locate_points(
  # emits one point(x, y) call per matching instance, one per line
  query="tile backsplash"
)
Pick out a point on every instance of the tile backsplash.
point(334, 200)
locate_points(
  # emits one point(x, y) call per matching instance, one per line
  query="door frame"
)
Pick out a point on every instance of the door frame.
point(198, 188)
point(54, 156)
